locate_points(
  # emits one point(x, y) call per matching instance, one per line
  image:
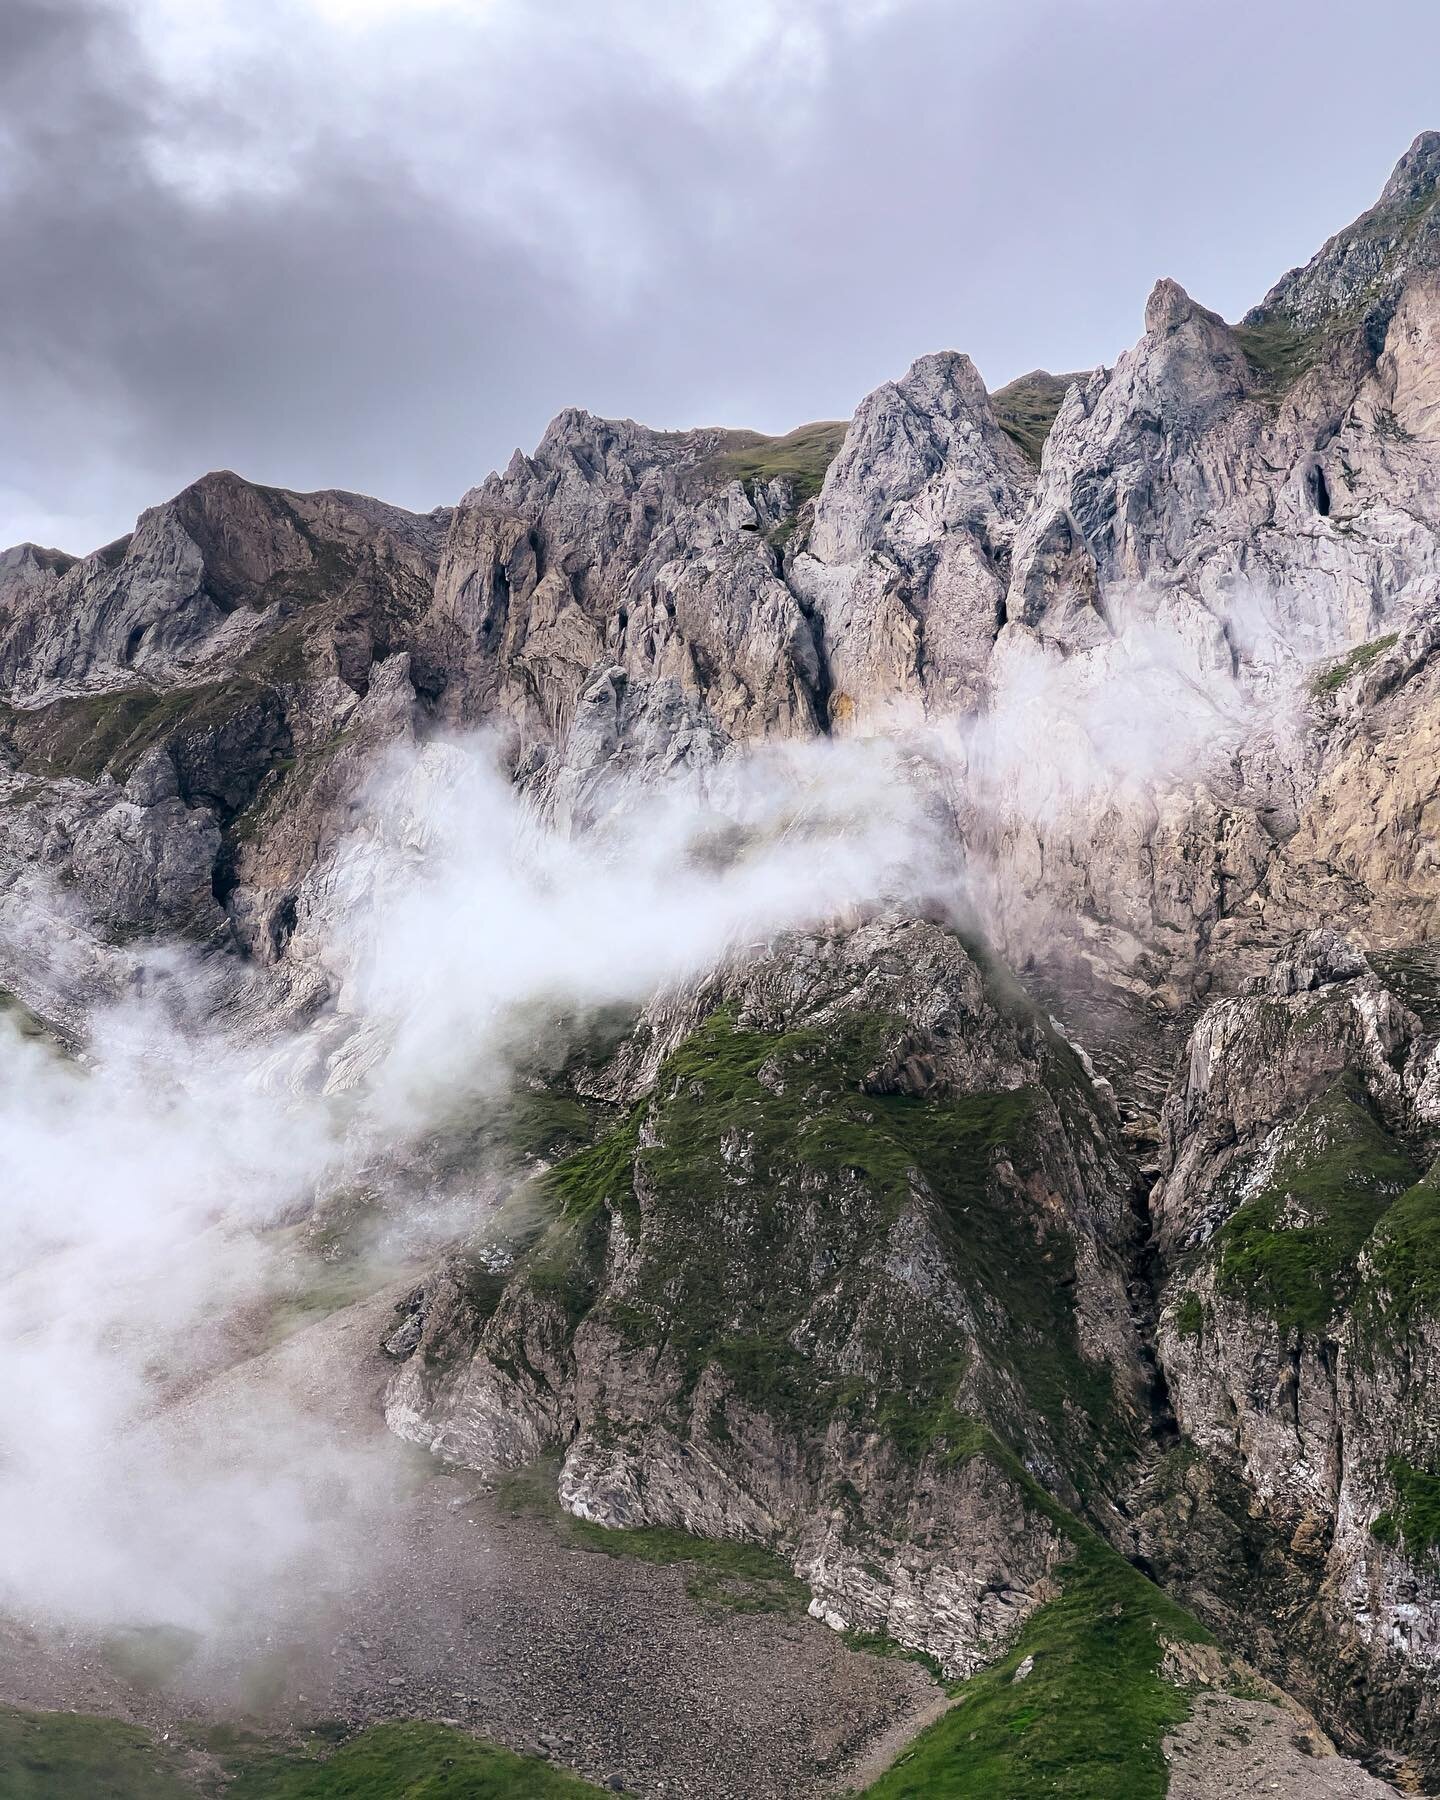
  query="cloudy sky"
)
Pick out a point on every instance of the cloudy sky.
point(378, 243)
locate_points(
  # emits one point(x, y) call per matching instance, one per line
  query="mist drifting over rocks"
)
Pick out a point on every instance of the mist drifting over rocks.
point(868, 994)
point(156, 1172)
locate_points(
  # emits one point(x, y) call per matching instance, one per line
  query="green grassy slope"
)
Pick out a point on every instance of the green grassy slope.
point(720, 1271)
point(802, 456)
point(1089, 1718)
point(410, 1761)
point(1026, 407)
point(68, 1756)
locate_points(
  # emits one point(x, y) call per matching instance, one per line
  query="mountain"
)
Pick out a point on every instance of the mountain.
point(1055, 1287)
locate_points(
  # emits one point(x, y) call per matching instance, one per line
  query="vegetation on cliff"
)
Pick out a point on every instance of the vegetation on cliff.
point(1077, 1707)
point(762, 1157)
point(1293, 1248)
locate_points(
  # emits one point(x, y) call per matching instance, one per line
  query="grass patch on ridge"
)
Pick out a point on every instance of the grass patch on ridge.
point(1026, 407)
point(1330, 680)
point(1294, 1247)
point(1279, 350)
point(800, 457)
point(73, 1756)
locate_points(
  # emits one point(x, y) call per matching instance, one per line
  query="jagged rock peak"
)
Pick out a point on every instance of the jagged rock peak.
point(32, 561)
point(1361, 268)
point(1417, 173)
point(1170, 306)
point(904, 562)
point(589, 448)
point(573, 428)
point(946, 376)
point(934, 428)
point(203, 578)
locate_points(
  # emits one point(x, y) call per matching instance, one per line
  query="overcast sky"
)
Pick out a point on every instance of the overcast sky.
point(378, 243)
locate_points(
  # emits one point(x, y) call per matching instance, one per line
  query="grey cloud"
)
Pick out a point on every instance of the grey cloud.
point(426, 238)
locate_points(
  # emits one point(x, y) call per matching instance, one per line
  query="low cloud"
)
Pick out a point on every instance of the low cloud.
point(149, 1192)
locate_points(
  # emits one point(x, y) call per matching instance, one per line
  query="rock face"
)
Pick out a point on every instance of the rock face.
point(1360, 270)
point(1212, 519)
point(944, 1203)
point(1363, 847)
point(860, 1251)
point(223, 568)
point(633, 553)
point(1296, 1217)
point(906, 561)
point(162, 689)
point(1297, 506)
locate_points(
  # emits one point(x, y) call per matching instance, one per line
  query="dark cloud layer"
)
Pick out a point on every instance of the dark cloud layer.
point(377, 244)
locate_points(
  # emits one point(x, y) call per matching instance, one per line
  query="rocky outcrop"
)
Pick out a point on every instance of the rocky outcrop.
point(1296, 1335)
point(1361, 268)
point(216, 656)
point(204, 582)
point(617, 548)
point(868, 1224)
point(1362, 850)
point(1204, 540)
point(1295, 503)
point(906, 560)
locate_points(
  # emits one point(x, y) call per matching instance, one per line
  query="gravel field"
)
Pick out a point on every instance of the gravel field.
point(445, 1600)
point(1229, 1747)
point(463, 1609)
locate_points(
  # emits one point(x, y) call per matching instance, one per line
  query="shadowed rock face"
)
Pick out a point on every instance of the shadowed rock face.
point(1297, 1328)
point(870, 1261)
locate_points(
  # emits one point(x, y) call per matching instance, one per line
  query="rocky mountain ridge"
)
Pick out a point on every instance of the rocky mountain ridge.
point(950, 1255)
